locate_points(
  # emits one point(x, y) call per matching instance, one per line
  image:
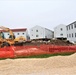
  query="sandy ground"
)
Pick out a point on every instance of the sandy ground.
point(57, 65)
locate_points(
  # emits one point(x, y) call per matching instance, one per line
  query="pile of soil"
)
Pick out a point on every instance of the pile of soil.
point(50, 42)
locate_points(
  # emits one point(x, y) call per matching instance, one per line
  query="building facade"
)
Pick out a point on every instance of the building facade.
point(39, 32)
point(17, 32)
point(71, 32)
point(60, 32)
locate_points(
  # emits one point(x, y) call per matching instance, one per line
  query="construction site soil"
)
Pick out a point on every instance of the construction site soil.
point(51, 42)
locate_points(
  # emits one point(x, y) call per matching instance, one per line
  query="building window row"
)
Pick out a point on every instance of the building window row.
point(71, 26)
point(71, 35)
point(36, 30)
point(18, 33)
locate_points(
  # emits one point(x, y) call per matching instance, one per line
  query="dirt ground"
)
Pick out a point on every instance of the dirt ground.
point(52, 42)
point(57, 65)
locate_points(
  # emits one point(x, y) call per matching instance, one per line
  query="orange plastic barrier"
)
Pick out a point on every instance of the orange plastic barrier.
point(29, 52)
point(7, 52)
point(58, 49)
point(12, 52)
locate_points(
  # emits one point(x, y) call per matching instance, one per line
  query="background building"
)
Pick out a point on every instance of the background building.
point(60, 32)
point(71, 32)
point(17, 32)
point(39, 32)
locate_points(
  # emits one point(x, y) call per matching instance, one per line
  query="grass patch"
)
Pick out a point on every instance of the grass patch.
point(3, 58)
point(48, 55)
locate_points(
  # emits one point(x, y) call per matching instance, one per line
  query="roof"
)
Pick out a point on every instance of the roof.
point(42, 27)
point(71, 23)
point(16, 30)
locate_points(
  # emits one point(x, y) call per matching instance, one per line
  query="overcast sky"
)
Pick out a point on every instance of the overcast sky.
point(28, 13)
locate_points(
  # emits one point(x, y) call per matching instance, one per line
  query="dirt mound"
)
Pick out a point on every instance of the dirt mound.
point(57, 65)
point(52, 42)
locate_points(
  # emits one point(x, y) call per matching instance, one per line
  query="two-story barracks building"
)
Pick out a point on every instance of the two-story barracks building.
point(66, 31)
point(71, 31)
point(38, 32)
point(17, 32)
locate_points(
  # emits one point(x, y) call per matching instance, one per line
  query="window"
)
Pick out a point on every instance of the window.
point(45, 36)
point(18, 33)
point(74, 25)
point(75, 34)
point(61, 34)
point(61, 29)
point(36, 30)
point(69, 27)
point(69, 35)
point(36, 35)
point(23, 33)
point(72, 34)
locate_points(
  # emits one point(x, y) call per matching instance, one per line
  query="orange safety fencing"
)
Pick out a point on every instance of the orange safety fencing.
point(7, 52)
point(18, 51)
point(30, 52)
point(58, 49)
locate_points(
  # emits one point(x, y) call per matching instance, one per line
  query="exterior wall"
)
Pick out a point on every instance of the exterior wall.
point(48, 33)
point(60, 31)
point(71, 32)
point(38, 32)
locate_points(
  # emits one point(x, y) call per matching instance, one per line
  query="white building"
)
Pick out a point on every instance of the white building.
point(39, 32)
point(60, 31)
point(71, 32)
point(17, 32)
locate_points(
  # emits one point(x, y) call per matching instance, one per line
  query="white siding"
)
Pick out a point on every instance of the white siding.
point(38, 32)
point(60, 31)
point(49, 33)
point(71, 32)
point(6, 34)
point(19, 33)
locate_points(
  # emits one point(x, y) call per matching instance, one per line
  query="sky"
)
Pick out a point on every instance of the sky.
point(28, 13)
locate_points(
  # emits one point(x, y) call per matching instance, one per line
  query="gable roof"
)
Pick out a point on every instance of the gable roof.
point(41, 27)
point(71, 23)
point(16, 30)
